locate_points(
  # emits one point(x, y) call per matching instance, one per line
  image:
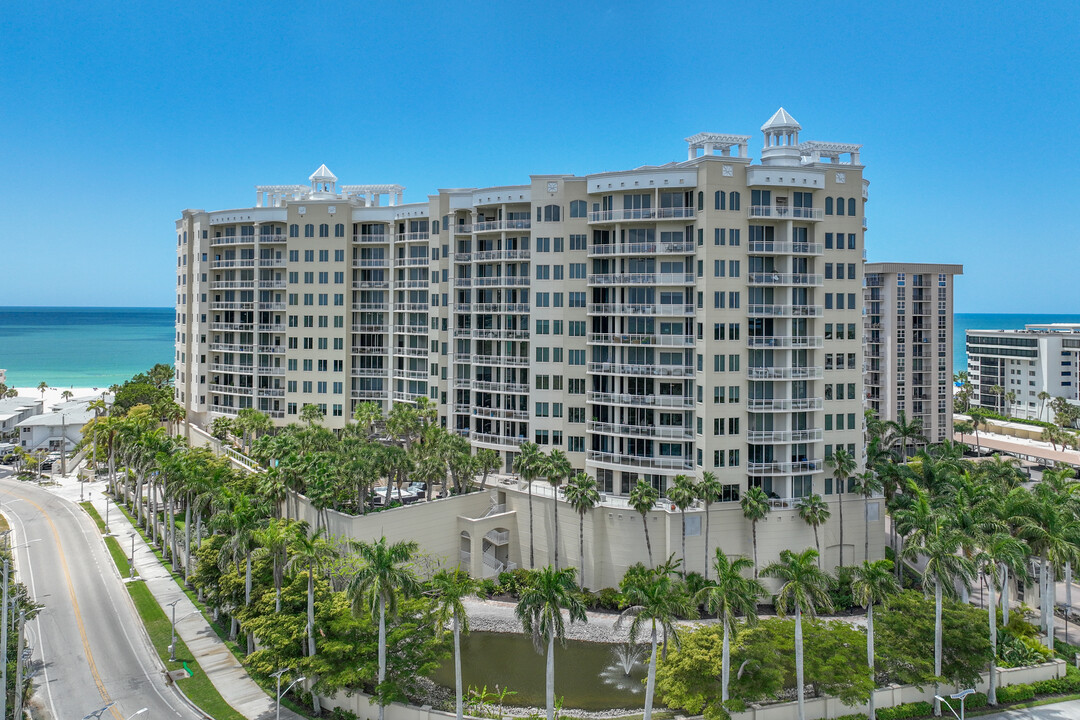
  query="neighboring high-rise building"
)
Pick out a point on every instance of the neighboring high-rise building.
point(702, 315)
point(909, 344)
point(1010, 369)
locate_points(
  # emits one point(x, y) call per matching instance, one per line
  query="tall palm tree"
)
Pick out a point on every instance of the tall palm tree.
point(366, 415)
point(1010, 400)
point(540, 611)
point(556, 467)
point(384, 576)
point(755, 506)
point(528, 464)
point(872, 583)
point(67, 395)
point(582, 494)
point(732, 594)
point(814, 511)
point(1043, 397)
point(905, 432)
point(805, 589)
point(652, 598)
point(450, 587)
point(978, 417)
point(866, 484)
point(643, 497)
point(310, 552)
point(1047, 521)
point(997, 551)
point(274, 541)
point(709, 490)
point(42, 387)
point(998, 392)
point(939, 545)
point(843, 466)
point(682, 495)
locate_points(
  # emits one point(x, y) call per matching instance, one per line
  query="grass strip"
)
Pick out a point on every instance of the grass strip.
point(197, 687)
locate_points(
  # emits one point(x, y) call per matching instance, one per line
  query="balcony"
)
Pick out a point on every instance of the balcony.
point(368, 372)
point(643, 279)
point(641, 339)
point(512, 360)
point(642, 370)
point(247, 263)
point(410, 374)
point(500, 413)
point(491, 333)
point(462, 282)
point(412, 262)
point(484, 308)
point(671, 401)
point(463, 229)
point(369, 394)
point(223, 410)
point(272, 327)
point(785, 341)
point(643, 431)
point(500, 281)
point(488, 386)
point(775, 278)
point(230, 389)
point(411, 237)
point(366, 328)
point(272, 284)
point(500, 441)
point(271, 350)
point(653, 248)
point(784, 404)
point(411, 284)
point(365, 307)
point(233, 348)
point(639, 309)
point(232, 240)
point(411, 329)
point(231, 284)
point(370, 263)
point(370, 350)
point(783, 212)
point(783, 468)
point(271, 392)
point(783, 437)
point(272, 262)
point(371, 284)
point(271, 305)
point(499, 255)
point(641, 214)
point(372, 238)
point(784, 311)
point(499, 225)
point(412, 351)
point(224, 368)
point(246, 327)
point(648, 463)
point(784, 373)
point(784, 248)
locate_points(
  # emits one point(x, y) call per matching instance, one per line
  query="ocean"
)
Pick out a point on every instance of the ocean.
point(82, 347)
point(96, 347)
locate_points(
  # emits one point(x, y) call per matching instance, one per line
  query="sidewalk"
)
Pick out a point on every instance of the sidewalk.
point(221, 666)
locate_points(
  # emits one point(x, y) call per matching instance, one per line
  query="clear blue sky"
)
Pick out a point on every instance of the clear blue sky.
point(116, 116)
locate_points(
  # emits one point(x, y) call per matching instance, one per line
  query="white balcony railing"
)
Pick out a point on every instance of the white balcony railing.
point(783, 212)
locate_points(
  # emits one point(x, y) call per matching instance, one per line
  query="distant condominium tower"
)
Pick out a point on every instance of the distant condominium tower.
point(1019, 372)
point(701, 315)
point(909, 344)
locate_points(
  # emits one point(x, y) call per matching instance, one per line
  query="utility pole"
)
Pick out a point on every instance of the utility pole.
point(63, 444)
point(3, 645)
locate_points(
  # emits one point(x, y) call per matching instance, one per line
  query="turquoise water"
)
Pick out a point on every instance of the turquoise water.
point(82, 347)
point(96, 347)
point(1000, 321)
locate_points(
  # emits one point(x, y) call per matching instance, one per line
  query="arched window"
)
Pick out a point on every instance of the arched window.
point(552, 213)
point(578, 208)
point(828, 205)
point(839, 206)
point(294, 230)
point(339, 230)
point(734, 198)
point(700, 201)
point(719, 200)
point(309, 230)
point(851, 206)
point(324, 230)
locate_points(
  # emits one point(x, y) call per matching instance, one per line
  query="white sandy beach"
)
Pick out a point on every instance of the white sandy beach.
point(54, 396)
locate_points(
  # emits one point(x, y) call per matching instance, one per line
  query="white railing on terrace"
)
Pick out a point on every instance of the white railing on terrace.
point(498, 537)
point(279, 284)
point(412, 262)
point(411, 329)
point(370, 262)
point(380, 328)
point(673, 213)
point(367, 284)
point(412, 351)
point(231, 284)
point(666, 433)
point(508, 280)
point(411, 307)
point(493, 564)
point(784, 373)
point(222, 367)
point(463, 229)
point(769, 247)
point(653, 463)
point(642, 370)
point(515, 360)
point(230, 326)
point(227, 347)
point(784, 436)
point(783, 468)
point(361, 307)
point(639, 309)
point(776, 278)
point(223, 410)
point(496, 413)
point(271, 262)
point(272, 327)
point(784, 310)
point(495, 509)
point(250, 263)
point(415, 284)
point(370, 394)
point(783, 212)
point(372, 238)
point(411, 374)
point(785, 341)
point(411, 237)
point(641, 339)
point(642, 279)
point(499, 255)
point(482, 308)
point(783, 404)
point(676, 401)
point(369, 372)
point(645, 248)
point(230, 389)
point(493, 225)
point(370, 350)
point(486, 386)
point(503, 440)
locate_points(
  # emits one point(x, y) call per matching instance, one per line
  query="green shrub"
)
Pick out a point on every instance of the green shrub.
point(488, 587)
point(1058, 686)
point(854, 716)
point(609, 599)
point(975, 700)
point(905, 711)
point(840, 590)
point(591, 600)
point(1015, 693)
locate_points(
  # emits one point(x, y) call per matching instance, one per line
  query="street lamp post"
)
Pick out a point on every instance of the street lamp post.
point(4, 627)
point(172, 645)
point(106, 513)
point(96, 714)
point(956, 696)
point(137, 712)
point(131, 564)
point(281, 693)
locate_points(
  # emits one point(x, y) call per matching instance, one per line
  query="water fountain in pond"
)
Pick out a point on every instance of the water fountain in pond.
point(625, 657)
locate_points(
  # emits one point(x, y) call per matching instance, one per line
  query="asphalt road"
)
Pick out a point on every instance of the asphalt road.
point(89, 647)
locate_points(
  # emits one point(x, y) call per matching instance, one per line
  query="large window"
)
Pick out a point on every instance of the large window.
point(578, 208)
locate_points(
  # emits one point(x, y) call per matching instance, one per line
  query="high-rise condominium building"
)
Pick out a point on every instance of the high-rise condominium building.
point(1012, 369)
point(702, 315)
point(909, 344)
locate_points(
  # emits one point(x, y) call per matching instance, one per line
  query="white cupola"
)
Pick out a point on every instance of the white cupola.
point(322, 180)
point(781, 140)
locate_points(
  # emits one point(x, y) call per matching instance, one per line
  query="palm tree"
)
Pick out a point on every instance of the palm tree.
point(755, 506)
point(872, 583)
point(67, 395)
point(383, 577)
point(450, 588)
point(939, 545)
point(1010, 399)
point(556, 467)
point(42, 387)
point(866, 484)
point(814, 511)
point(643, 497)
point(310, 553)
point(540, 611)
point(997, 551)
point(1043, 397)
point(978, 417)
point(274, 540)
point(682, 495)
point(528, 464)
point(805, 588)
point(709, 490)
point(843, 467)
point(904, 432)
point(964, 427)
point(732, 594)
point(652, 598)
point(487, 462)
point(582, 494)
point(999, 393)
point(366, 415)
